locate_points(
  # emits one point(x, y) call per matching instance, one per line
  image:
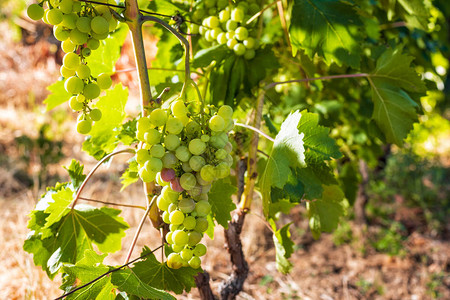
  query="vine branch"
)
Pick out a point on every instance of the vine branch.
point(88, 177)
point(273, 84)
point(111, 203)
point(256, 130)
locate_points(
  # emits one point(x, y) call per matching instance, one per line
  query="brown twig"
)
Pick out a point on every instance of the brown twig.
point(111, 203)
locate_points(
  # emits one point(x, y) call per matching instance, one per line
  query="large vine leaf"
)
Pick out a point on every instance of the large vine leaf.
point(329, 28)
point(103, 138)
point(61, 235)
point(160, 276)
point(324, 213)
point(394, 110)
point(221, 203)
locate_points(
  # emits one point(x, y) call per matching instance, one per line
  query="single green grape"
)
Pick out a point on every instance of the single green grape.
point(186, 205)
point(162, 203)
point(84, 126)
point(142, 156)
point(74, 85)
point(71, 61)
point(249, 54)
point(35, 12)
point(66, 6)
point(231, 43)
point(241, 33)
point(84, 24)
point(83, 71)
point(74, 104)
point(93, 44)
point(189, 222)
point(195, 237)
point(95, 114)
point(195, 262)
point(178, 108)
point(239, 49)
point(174, 261)
point(157, 151)
point(99, 25)
point(208, 173)
point(104, 81)
point(249, 43)
point(169, 160)
point(77, 37)
point(222, 170)
point(193, 128)
point(203, 208)
point(224, 16)
point(188, 181)
point(154, 164)
point(196, 162)
point(217, 123)
point(66, 73)
point(174, 125)
point(180, 237)
point(182, 153)
point(197, 147)
point(86, 52)
point(91, 91)
point(186, 254)
point(158, 117)
point(67, 46)
point(54, 16)
point(112, 24)
point(199, 250)
point(226, 112)
point(60, 33)
point(237, 14)
point(69, 21)
point(143, 124)
point(222, 38)
point(146, 175)
point(171, 141)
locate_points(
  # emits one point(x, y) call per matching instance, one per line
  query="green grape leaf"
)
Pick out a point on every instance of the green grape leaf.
point(284, 247)
point(221, 203)
point(103, 59)
point(130, 175)
point(85, 270)
point(160, 276)
point(256, 68)
point(349, 181)
point(288, 151)
point(127, 281)
point(75, 170)
point(394, 110)
point(58, 95)
point(329, 28)
point(211, 226)
point(416, 13)
point(324, 213)
point(102, 138)
point(165, 7)
point(204, 57)
point(318, 145)
point(237, 75)
point(220, 76)
point(54, 242)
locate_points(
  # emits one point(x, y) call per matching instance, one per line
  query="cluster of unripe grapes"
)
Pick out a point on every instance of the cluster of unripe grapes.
point(185, 153)
point(224, 22)
point(79, 26)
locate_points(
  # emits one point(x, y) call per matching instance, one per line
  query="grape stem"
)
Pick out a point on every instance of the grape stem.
point(112, 203)
point(182, 40)
point(107, 273)
point(256, 130)
point(88, 177)
point(273, 84)
point(138, 231)
point(255, 16)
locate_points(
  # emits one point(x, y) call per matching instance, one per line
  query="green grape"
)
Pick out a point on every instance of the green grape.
point(165, 217)
point(195, 262)
point(71, 61)
point(74, 104)
point(112, 24)
point(178, 108)
point(186, 254)
point(169, 160)
point(158, 117)
point(237, 14)
point(172, 207)
point(70, 21)
point(200, 180)
point(212, 11)
point(249, 54)
point(99, 36)
point(188, 181)
point(91, 91)
point(210, 3)
point(222, 38)
point(152, 136)
point(231, 43)
point(219, 141)
point(180, 237)
point(160, 181)
point(226, 112)
point(197, 146)
point(215, 33)
point(239, 49)
point(230, 35)
point(54, 16)
point(146, 176)
point(186, 167)
point(199, 250)
point(157, 151)
point(202, 225)
point(221, 4)
point(205, 138)
point(95, 114)
point(60, 33)
point(103, 10)
point(198, 14)
point(174, 261)
point(66, 6)
point(196, 162)
point(241, 33)
point(195, 191)
point(171, 141)
point(220, 154)
point(104, 81)
point(173, 227)
point(212, 22)
point(253, 9)
point(84, 126)
point(208, 173)
point(203, 208)
point(193, 128)
point(77, 37)
point(177, 249)
point(195, 237)
point(67, 46)
point(154, 164)
point(202, 30)
point(35, 12)
point(83, 71)
point(182, 153)
point(249, 43)
point(93, 44)
point(162, 203)
point(174, 125)
point(189, 222)
point(76, 7)
point(186, 205)
point(81, 98)
point(217, 123)
point(143, 124)
point(193, 28)
point(99, 25)
point(231, 25)
point(169, 234)
point(74, 85)
point(86, 52)
point(142, 156)
point(66, 73)
point(222, 170)
point(224, 16)
point(228, 147)
point(243, 6)
point(177, 218)
point(84, 24)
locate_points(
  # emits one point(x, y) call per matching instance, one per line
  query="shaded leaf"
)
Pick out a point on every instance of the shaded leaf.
point(284, 247)
point(75, 170)
point(221, 203)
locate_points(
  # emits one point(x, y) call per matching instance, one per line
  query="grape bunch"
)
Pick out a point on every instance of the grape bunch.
point(184, 153)
point(224, 22)
point(79, 26)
